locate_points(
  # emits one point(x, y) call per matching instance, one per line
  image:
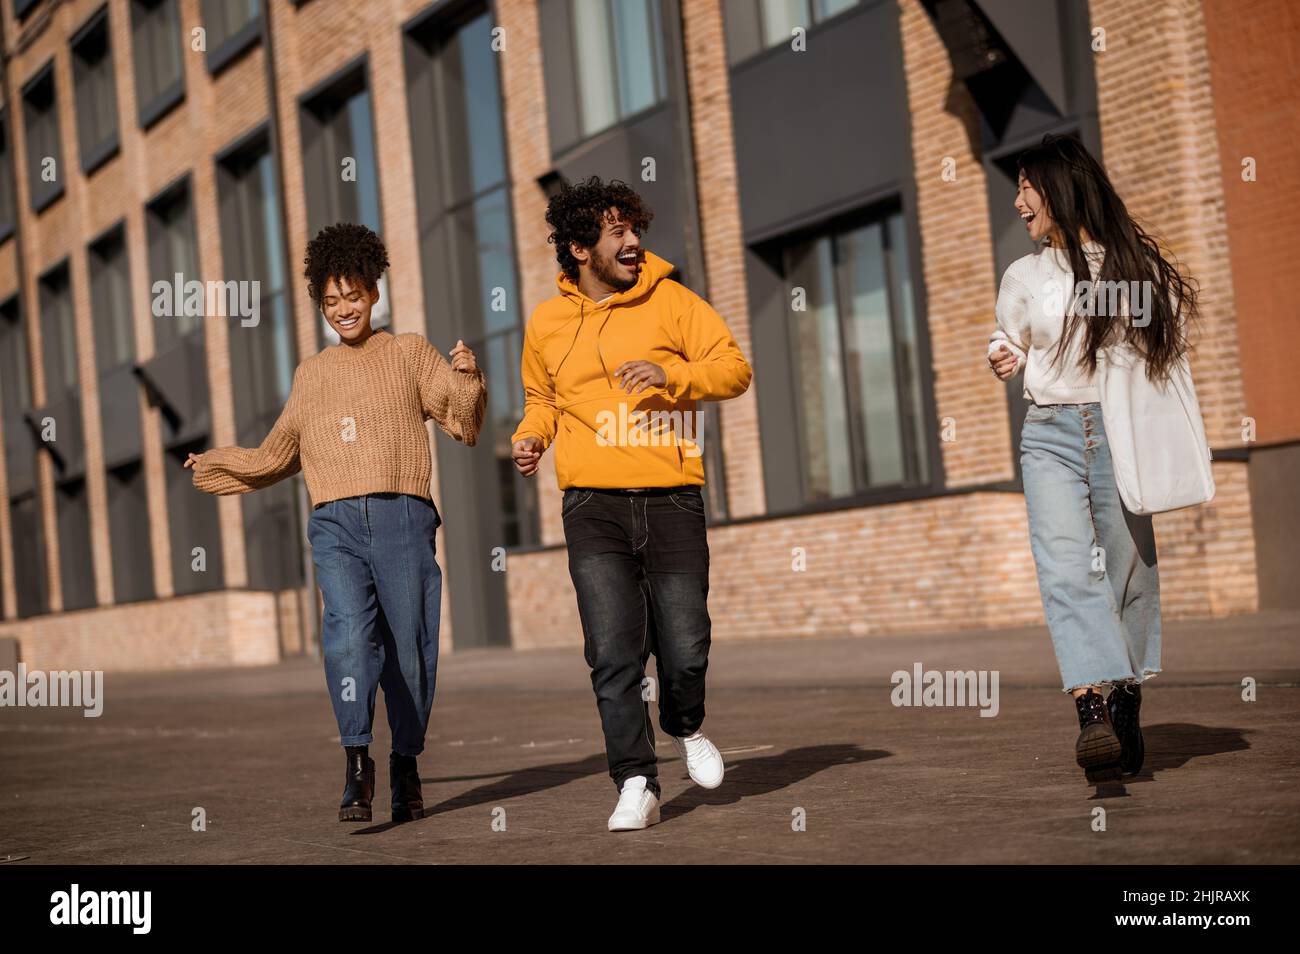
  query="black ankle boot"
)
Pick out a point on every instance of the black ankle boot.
point(358, 785)
point(1097, 750)
point(1123, 705)
point(404, 777)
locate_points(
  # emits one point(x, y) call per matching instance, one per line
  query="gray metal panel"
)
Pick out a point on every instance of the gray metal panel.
point(619, 154)
point(69, 445)
point(1032, 28)
point(20, 452)
point(813, 129)
point(180, 376)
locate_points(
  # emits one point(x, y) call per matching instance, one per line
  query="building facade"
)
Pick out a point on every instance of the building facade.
point(835, 176)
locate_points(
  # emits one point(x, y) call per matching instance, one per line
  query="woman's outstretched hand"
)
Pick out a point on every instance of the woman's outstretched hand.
point(191, 460)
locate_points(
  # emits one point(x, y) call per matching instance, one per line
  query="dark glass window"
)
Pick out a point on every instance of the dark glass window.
point(128, 510)
point(110, 301)
point(44, 149)
point(26, 528)
point(467, 239)
point(340, 175)
point(233, 26)
point(58, 333)
point(96, 92)
point(8, 214)
point(262, 354)
point(71, 505)
point(173, 252)
point(128, 527)
point(156, 42)
point(856, 370)
point(756, 25)
point(618, 59)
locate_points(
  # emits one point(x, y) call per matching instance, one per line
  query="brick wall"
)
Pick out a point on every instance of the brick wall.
point(957, 257)
point(201, 630)
point(1254, 59)
point(1159, 139)
point(951, 562)
point(709, 90)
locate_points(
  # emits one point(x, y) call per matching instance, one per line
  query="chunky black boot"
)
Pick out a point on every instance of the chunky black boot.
point(1098, 750)
point(404, 777)
point(358, 785)
point(1123, 705)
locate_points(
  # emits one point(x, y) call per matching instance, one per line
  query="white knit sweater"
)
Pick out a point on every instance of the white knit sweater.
point(1031, 317)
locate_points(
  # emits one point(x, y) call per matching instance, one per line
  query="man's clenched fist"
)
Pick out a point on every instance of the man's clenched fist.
point(527, 452)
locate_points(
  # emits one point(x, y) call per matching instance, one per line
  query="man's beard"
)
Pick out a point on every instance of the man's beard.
point(604, 269)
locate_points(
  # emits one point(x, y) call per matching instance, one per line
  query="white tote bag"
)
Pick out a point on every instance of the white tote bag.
point(1156, 434)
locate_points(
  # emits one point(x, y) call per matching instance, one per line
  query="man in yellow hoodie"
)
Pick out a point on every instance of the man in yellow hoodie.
point(612, 369)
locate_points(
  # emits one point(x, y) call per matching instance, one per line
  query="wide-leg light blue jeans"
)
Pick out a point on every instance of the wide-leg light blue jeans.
point(1096, 561)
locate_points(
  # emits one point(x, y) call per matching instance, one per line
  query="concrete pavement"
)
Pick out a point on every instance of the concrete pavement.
point(514, 771)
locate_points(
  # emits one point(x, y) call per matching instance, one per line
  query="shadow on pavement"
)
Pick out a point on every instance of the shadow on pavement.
point(1171, 745)
point(507, 785)
point(769, 773)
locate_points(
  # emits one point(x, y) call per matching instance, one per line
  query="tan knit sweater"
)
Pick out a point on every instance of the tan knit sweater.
point(354, 423)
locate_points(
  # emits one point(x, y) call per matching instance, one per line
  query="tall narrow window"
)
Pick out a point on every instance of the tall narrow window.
point(233, 26)
point(618, 59)
point(26, 528)
point(466, 236)
point(856, 369)
point(173, 261)
point(339, 168)
point(8, 215)
point(110, 301)
point(44, 151)
point(96, 92)
point(128, 510)
point(71, 505)
point(156, 41)
point(262, 351)
point(756, 25)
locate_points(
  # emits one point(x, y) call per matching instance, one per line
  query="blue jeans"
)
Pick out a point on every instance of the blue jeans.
point(1096, 561)
point(640, 565)
point(382, 589)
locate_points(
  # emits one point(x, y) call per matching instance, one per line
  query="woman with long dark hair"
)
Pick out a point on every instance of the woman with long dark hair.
point(1098, 282)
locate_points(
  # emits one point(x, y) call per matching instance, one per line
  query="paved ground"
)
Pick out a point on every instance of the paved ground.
point(805, 724)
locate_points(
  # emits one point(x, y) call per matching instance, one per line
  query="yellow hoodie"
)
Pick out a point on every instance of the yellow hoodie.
point(605, 437)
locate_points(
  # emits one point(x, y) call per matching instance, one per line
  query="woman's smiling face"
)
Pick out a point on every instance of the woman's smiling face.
point(1032, 209)
point(347, 308)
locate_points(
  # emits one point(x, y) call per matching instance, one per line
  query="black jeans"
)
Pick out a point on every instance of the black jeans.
point(640, 565)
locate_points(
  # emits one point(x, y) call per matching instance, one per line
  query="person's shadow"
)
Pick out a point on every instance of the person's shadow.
point(537, 778)
point(1170, 746)
point(755, 776)
point(763, 775)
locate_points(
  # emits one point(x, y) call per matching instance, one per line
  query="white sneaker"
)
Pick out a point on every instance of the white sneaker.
point(637, 807)
point(703, 760)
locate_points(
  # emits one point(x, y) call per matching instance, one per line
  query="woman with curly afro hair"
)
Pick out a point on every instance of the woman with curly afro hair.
point(355, 425)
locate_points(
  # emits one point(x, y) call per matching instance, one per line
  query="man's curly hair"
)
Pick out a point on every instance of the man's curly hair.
point(577, 214)
point(344, 251)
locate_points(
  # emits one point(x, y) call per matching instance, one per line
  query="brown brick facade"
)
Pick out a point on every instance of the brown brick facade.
point(960, 560)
